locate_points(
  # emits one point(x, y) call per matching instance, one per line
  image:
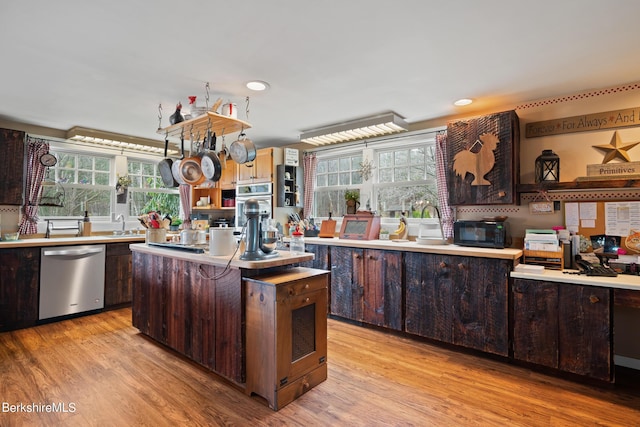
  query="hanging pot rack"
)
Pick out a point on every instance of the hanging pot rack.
point(209, 121)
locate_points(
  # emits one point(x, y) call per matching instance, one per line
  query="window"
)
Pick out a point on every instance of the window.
point(147, 191)
point(407, 177)
point(333, 177)
point(84, 179)
point(404, 176)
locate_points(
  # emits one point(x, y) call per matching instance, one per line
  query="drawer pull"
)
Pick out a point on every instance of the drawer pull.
point(442, 264)
point(306, 299)
point(306, 286)
point(594, 299)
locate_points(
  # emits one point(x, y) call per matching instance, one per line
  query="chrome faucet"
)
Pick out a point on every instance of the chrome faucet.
point(121, 217)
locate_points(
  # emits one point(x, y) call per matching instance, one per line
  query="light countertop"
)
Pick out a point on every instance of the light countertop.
point(284, 257)
point(67, 241)
point(412, 246)
point(623, 281)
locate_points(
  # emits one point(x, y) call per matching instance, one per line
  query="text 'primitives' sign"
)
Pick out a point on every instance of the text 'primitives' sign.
point(588, 122)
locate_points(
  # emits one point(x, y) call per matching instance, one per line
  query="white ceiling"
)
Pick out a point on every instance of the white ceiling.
point(107, 65)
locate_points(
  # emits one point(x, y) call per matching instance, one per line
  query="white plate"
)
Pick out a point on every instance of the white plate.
point(430, 241)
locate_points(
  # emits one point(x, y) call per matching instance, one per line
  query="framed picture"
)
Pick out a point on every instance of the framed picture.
point(291, 157)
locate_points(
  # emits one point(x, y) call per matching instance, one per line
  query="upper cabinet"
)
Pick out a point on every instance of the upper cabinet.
point(259, 170)
point(483, 158)
point(12, 167)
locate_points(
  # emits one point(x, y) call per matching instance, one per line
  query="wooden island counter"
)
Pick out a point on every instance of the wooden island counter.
point(197, 305)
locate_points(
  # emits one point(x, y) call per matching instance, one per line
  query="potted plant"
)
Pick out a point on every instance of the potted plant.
point(175, 224)
point(352, 199)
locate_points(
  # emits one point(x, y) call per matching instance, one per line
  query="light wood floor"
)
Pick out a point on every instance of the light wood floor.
point(107, 374)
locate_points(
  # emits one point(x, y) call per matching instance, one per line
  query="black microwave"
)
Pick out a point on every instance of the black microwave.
point(482, 234)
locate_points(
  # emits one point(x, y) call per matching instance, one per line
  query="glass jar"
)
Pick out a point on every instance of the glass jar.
point(296, 245)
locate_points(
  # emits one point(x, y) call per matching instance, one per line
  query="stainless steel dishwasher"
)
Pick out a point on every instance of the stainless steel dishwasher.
point(71, 280)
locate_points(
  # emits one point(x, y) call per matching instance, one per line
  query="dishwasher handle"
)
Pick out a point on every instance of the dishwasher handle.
point(72, 252)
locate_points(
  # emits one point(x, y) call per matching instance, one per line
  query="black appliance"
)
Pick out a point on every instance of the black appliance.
point(481, 234)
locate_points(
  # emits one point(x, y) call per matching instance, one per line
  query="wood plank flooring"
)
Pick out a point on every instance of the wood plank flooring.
point(106, 373)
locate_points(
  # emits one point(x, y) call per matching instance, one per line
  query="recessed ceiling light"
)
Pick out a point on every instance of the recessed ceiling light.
point(258, 85)
point(462, 102)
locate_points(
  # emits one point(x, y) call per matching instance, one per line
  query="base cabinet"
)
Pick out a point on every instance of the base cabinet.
point(366, 286)
point(183, 305)
point(286, 334)
point(19, 287)
point(117, 283)
point(458, 300)
point(563, 326)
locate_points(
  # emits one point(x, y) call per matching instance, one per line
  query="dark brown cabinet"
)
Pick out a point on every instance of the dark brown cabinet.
point(458, 300)
point(563, 326)
point(117, 281)
point(321, 260)
point(366, 286)
point(19, 287)
point(183, 305)
point(12, 169)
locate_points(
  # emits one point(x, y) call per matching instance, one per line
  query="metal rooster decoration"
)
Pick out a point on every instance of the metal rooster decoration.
point(477, 164)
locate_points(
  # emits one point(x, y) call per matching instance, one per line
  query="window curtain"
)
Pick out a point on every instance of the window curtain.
point(185, 202)
point(443, 192)
point(35, 174)
point(310, 164)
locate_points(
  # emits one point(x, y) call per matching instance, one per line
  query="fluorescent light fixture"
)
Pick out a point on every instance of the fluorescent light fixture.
point(367, 127)
point(462, 102)
point(117, 140)
point(257, 85)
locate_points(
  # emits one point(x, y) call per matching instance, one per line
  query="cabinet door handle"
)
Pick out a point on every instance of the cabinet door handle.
point(461, 266)
point(442, 264)
point(373, 258)
point(593, 299)
point(306, 299)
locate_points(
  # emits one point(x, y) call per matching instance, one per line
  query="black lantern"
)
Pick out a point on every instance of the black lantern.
point(548, 167)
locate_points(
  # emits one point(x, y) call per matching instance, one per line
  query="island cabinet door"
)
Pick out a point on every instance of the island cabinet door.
point(382, 296)
point(480, 289)
point(428, 297)
point(585, 336)
point(117, 281)
point(347, 282)
point(535, 322)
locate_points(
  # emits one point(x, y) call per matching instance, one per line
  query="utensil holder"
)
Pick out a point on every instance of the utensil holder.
point(156, 235)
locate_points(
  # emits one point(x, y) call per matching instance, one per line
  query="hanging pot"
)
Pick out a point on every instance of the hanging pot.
point(175, 167)
point(243, 150)
point(191, 170)
point(210, 163)
point(164, 168)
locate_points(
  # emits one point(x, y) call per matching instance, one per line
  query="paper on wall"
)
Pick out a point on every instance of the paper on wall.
point(621, 218)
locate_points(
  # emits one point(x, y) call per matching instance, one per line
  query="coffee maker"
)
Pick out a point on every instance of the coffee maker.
point(260, 241)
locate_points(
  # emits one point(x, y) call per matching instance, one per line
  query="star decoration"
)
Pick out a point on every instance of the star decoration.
point(616, 149)
point(366, 168)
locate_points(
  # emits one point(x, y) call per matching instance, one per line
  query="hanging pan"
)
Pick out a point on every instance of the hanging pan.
point(191, 170)
point(175, 167)
point(210, 163)
point(243, 150)
point(164, 167)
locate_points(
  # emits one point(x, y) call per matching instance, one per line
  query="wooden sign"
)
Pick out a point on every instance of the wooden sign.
point(616, 170)
point(588, 122)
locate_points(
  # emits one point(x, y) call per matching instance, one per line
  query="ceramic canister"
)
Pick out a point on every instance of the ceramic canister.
point(230, 110)
point(221, 241)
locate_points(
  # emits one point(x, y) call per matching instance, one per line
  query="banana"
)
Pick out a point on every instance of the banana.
point(401, 228)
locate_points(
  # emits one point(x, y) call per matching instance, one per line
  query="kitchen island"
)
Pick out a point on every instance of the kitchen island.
point(212, 309)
